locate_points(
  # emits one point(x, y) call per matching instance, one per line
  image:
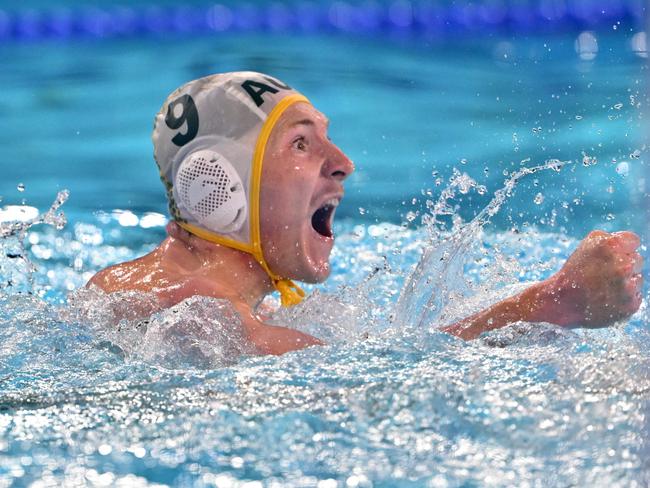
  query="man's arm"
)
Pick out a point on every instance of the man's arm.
point(277, 340)
point(598, 285)
point(271, 339)
point(527, 306)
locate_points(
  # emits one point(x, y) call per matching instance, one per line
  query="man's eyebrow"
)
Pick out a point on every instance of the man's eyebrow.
point(309, 122)
point(302, 122)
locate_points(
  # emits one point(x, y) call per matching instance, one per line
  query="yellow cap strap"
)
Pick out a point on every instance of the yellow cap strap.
point(290, 293)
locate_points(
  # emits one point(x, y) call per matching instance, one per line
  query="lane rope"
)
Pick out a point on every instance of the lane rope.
point(464, 16)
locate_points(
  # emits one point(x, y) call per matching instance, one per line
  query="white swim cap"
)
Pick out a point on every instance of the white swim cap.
point(209, 139)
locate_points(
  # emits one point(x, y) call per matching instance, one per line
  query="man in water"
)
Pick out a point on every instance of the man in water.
point(253, 183)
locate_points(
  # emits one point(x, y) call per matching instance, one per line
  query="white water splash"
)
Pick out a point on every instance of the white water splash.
point(16, 269)
point(350, 314)
point(199, 332)
point(51, 217)
point(438, 280)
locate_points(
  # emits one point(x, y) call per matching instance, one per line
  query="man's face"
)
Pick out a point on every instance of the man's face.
point(302, 184)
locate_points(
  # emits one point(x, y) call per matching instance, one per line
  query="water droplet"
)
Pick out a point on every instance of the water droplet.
point(362, 211)
point(411, 216)
point(104, 449)
point(578, 117)
point(623, 169)
point(636, 154)
point(20, 187)
point(588, 160)
point(618, 106)
point(463, 161)
point(535, 182)
point(539, 199)
point(610, 216)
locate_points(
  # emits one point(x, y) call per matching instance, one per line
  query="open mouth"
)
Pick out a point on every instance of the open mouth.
point(322, 219)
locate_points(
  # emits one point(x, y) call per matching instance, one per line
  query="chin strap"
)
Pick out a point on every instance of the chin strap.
point(290, 293)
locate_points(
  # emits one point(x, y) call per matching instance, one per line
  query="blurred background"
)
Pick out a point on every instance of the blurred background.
point(414, 89)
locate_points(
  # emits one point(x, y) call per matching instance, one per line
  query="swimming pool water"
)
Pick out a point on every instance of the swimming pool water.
point(401, 110)
point(382, 405)
point(161, 400)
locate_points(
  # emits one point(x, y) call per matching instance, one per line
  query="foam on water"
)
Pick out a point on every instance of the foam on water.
point(109, 390)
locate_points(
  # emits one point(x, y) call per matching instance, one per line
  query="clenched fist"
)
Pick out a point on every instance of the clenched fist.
point(599, 284)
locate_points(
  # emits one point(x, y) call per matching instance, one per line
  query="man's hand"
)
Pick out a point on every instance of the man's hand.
point(599, 284)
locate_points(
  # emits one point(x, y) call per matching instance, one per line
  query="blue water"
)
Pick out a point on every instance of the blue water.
point(400, 109)
point(175, 399)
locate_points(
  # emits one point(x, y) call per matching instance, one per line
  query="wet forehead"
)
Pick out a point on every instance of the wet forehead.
point(302, 113)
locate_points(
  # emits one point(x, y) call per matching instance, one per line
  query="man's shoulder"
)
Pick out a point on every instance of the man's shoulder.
point(102, 279)
point(129, 275)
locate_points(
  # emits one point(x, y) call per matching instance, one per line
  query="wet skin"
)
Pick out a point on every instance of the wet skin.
point(302, 172)
point(598, 285)
point(303, 175)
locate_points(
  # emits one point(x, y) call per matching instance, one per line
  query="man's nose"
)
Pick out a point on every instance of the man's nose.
point(337, 164)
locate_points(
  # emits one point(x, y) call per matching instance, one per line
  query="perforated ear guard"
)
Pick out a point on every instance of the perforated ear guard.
point(209, 189)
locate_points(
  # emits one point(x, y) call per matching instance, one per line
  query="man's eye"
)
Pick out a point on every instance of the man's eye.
point(300, 144)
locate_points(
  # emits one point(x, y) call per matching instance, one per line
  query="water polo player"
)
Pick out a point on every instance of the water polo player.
point(253, 183)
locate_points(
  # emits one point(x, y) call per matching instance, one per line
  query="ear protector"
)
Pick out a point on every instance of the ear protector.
point(211, 191)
